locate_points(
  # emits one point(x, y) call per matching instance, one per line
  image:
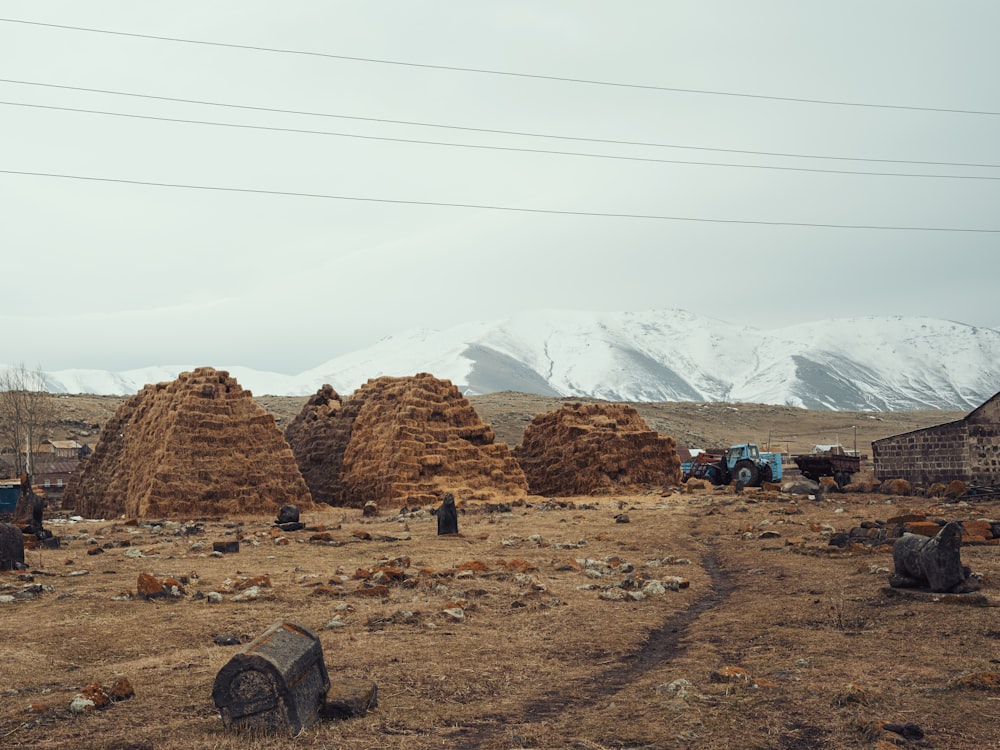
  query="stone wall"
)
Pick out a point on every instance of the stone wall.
point(968, 450)
point(984, 443)
point(935, 454)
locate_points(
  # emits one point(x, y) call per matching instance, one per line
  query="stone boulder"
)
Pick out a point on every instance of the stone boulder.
point(932, 562)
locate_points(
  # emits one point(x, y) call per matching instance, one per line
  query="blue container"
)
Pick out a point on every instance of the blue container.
point(9, 493)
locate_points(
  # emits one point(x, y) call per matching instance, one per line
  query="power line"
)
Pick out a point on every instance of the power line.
point(527, 134)
point(512, 74)
point(488, 207)
point(549, 152)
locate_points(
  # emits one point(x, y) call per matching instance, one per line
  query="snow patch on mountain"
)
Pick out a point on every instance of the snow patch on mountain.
point(873, 363)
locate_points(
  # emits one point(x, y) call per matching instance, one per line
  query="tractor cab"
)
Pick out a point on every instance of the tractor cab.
point(745, 451)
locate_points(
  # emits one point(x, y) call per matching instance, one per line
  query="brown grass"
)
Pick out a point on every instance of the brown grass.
point(538, 661)
point(783, 644)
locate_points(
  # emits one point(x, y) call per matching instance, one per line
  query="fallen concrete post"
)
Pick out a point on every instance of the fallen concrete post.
point(277, 683)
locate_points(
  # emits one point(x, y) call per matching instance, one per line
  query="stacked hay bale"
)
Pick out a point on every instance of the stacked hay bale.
point(314, 436)
point(401, 441)
point(595, 449)
point(196, 446)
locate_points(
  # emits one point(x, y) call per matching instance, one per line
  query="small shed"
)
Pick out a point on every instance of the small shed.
point(62, 448)
point(968, 450)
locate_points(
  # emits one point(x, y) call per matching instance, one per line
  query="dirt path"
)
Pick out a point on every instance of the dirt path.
point(662, 645)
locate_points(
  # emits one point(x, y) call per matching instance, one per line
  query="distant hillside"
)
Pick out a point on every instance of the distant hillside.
point(869, 364)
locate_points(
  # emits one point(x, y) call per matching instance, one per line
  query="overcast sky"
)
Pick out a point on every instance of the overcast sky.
point(102, 273)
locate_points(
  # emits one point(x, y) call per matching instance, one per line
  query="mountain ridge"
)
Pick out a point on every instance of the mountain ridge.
point(868, 363)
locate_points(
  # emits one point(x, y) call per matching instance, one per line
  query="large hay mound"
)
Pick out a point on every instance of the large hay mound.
point(400, 441)
point(197, 446)
point(317, 441)
point(595, 449)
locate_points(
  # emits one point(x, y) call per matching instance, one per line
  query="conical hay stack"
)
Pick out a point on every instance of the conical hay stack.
point(595, 449)
point(404, 441)
point(197, 446)
point(314, 438)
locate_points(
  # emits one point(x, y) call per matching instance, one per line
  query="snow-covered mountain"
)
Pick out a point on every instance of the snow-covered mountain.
point(881, 364)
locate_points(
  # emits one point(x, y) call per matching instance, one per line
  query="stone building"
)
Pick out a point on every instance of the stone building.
point(968, 449)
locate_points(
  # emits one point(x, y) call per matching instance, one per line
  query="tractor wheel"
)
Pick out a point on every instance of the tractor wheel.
point(766, 475)
point(842, 478)
point(746, 472)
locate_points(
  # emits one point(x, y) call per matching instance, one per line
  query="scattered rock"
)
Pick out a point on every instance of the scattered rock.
point(288, 514)
point(247, 595)
point(348, 698)
point(614, 594)
point(121, 690)
point(80, 705)
point(96, 694)
point(148, 586)
point(679, 688)
point(447, 515)
point(934, 563)
point(907, 731)
point(11, 547)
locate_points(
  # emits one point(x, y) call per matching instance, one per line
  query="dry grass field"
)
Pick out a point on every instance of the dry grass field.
point(772, 639)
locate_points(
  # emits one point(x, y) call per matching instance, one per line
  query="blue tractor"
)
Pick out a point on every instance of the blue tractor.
point(744, 464)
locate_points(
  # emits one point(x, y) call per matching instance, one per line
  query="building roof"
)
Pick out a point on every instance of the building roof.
point(59, 466)
point(967, 418)
point(65, 444)
point(975, 412)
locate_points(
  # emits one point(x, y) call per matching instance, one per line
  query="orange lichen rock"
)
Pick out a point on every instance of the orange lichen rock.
point(400, 441)
point(196, 446)
point(121, 690)
point(595, 449)
point(148, 586)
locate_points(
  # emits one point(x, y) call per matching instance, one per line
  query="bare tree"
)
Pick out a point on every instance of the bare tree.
point(26, 408)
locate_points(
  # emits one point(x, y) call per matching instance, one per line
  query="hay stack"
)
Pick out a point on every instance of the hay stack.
point(400, 441)
point(197, 446)
point(314, 437)
point(595, 449)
